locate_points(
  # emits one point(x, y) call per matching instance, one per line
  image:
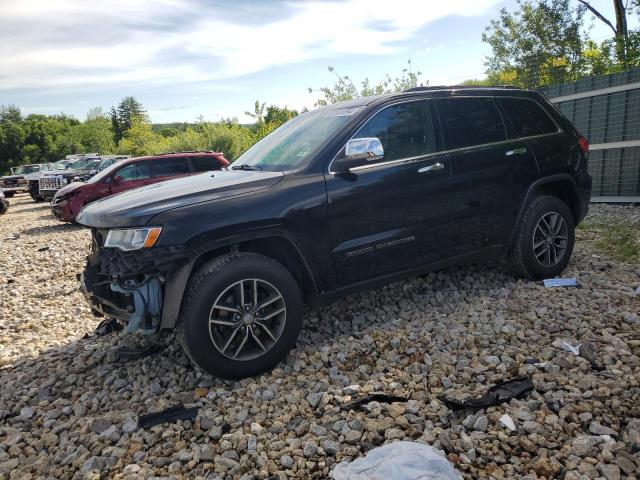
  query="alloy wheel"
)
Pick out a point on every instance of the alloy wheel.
point(550, 239)
point(247, 319)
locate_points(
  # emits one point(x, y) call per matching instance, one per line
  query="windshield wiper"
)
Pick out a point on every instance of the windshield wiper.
point(245, 167)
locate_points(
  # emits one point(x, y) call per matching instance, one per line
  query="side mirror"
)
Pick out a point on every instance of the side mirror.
point(117, 179)
point(360, 151)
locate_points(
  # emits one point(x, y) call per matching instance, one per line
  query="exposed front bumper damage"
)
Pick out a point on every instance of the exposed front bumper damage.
point(129, 286)
point(61, 210)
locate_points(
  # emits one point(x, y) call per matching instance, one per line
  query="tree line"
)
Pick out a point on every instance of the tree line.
point(126, 129)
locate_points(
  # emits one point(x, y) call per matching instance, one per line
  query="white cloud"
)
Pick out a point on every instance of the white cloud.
point(60, 43)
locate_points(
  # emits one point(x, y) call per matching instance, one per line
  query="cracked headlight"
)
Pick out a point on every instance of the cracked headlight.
point(132, 238)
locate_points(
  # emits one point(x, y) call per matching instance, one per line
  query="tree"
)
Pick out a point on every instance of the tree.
point(139, 139)
point(279, 115)
point(95, 134)
point(115, 125)
point(129, 112)
point(258, 112)
point(541, 43)
point(344, 88)
point(626, 43)
point(12, 136)
point(10, 113)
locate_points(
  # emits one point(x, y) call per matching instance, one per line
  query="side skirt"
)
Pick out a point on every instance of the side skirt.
point(326, 298)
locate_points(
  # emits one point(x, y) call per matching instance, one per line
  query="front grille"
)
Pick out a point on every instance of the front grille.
point(52, 183)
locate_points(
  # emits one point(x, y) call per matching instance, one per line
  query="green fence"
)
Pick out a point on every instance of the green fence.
point(606, 110)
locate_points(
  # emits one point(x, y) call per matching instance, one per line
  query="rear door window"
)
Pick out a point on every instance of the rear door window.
point(169, 167)
point(405, 130)
point(528, 117)
point(204, 164)
point(134, 171)
point(467, 122)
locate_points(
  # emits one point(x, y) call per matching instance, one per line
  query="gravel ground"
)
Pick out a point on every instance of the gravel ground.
point(69, 408)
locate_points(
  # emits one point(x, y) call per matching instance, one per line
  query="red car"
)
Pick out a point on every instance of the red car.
point(132, 173)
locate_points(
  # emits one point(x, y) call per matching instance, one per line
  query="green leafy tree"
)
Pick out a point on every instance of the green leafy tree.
point(10, 113)
point(95, 134)
point(47, 133)
point(279, 115)
point(12, 137)
point(128, 113)
point(540, 43)
point(258, 112)
point(139, 139)
point(622, 43)
point(345, 89)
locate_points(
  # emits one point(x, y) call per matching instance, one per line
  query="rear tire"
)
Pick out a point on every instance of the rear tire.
point(236, 298)
point(544, 239)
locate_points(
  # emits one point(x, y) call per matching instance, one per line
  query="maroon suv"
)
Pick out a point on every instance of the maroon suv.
point(132, 173)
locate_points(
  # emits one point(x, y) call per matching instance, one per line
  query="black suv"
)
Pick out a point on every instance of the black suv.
point(339, 199)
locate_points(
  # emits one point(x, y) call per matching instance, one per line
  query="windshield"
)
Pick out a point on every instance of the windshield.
point(106, 172)
point(85, 164)
point(287, 147)
point(26, 169)
point(60, 165)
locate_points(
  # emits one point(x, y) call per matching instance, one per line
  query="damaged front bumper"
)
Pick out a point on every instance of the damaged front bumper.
point(129, 286)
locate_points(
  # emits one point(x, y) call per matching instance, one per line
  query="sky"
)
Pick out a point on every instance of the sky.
point(214, 58)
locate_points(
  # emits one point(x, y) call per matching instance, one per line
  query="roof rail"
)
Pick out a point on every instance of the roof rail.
point(443, 87)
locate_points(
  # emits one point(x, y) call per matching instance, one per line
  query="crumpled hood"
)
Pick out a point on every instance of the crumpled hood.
point(136, 207)
point(69, 188)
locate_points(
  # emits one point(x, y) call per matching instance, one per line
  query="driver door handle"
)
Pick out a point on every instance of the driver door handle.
point(431, 168)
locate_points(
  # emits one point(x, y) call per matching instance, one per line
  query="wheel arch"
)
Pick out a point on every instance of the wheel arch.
point(277, 245)
point(562, 186)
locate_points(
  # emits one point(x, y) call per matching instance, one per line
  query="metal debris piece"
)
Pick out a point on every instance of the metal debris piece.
point(503, 392)
point(371, 397)
point(171, 414)
point(107, 326)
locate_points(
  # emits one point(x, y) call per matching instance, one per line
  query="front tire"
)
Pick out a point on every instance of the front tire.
point(544, 239)
point(241, 315)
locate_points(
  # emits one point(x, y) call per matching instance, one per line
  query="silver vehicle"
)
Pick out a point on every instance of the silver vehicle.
point(16, 182)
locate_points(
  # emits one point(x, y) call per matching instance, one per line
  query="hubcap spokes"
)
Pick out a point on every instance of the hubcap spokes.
point(550, 239)
point(247, 319)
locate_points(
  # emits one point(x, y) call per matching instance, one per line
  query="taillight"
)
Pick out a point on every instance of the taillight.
point(584, 145)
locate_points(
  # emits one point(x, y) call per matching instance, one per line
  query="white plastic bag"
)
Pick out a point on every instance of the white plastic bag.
point(398, 461)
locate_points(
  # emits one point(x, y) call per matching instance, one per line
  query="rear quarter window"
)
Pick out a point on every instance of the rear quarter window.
point(167, 167)
point(528, 117)
point(205, 164)
point(467, 122)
